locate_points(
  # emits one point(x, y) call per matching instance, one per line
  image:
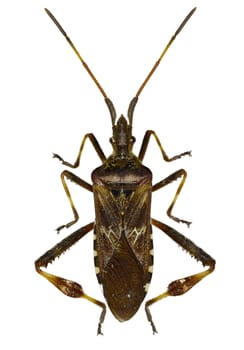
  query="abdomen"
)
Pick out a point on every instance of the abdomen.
point(122, 237)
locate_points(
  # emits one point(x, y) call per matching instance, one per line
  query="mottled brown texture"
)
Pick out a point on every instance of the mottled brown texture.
point(123, 242)
point(122, 188)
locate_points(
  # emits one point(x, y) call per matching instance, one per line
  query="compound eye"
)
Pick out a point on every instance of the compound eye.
point(132, 139)
point(112, 140)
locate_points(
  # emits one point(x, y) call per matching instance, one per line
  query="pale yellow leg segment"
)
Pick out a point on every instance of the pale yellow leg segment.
point(96, 146)
point(175, 288)
point(184, 175)
point(68, 287)
point(78, 181)
point(173, 177)
point(180, 173)
point(145, 143)
point(74, 290)
point(182, 285)
point(72, 177)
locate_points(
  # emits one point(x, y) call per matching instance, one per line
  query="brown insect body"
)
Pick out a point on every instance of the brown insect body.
point(122, 189)
point(123, 246)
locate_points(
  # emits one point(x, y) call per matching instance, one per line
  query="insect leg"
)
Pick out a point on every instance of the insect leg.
point(145, 143)
point(182, 285)
point(179, 173)
point(68, 287)
point(72, 177)
point(96, 146)
point(76, 179)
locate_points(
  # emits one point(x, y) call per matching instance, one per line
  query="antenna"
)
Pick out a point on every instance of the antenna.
point(107, 100)
point(135, 99)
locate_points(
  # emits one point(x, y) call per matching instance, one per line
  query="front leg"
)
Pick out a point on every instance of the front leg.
point(68, 287)
point(96, 146)
point(145, 143)
point(182, 285)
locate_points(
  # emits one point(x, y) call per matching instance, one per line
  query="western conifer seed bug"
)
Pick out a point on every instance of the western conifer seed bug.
point(122, 189)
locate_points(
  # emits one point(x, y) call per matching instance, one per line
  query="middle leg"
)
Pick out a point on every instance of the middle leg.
point(72, 177)
point(179, 173)
point(77, 180)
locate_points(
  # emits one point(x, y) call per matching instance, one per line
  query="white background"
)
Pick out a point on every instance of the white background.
point(48, 102)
